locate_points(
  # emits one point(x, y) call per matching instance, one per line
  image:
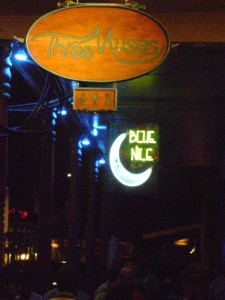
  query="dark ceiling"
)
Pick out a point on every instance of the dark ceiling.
point(36, 7)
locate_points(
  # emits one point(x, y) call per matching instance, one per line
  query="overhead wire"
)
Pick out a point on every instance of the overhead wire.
point(34, 108)
point(39, 103)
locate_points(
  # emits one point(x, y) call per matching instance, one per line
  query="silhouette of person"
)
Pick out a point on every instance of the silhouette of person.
point(125, 290)
point(68, 282)
point(195, 280)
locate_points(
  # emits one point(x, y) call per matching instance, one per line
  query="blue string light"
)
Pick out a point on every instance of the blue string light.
point(85, 141)
point(20, 55)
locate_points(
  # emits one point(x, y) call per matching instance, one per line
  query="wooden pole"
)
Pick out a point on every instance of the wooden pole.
point(103, 234)
point(5, 78)
point(91, 234)
point(46, 207)
point(74, 213)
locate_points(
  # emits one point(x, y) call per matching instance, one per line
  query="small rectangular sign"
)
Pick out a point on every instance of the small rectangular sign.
point(95, 99)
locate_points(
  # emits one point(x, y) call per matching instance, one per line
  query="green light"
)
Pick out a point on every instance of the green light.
point(141, 154)
point(141, 136)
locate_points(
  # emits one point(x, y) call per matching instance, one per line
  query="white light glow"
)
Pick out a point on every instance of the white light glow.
point(63, 112)
point(24, 256)
point(123, 175)
point(20, 56)
point(101, 127)
point(94, 132)
point(96, 124)
point(86, 142)
point(102, 161)
point(193, 250)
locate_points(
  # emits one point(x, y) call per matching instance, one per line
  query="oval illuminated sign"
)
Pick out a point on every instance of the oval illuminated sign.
point(97, 43)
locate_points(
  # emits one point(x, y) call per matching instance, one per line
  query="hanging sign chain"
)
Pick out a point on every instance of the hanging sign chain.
point(128, 3)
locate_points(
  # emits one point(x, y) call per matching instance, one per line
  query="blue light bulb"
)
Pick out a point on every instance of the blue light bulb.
point(21, 55)
point(63, 112)
point(86, 142)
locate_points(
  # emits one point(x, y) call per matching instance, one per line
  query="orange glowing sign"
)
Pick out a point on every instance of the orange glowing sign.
point(98, 43)
point(95, 99)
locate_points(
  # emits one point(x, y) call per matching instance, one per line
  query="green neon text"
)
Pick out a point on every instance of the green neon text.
point(140, 152)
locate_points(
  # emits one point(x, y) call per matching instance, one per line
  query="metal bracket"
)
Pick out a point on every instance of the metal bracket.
point(134, 5)
point(67, 3)
point(127, 3)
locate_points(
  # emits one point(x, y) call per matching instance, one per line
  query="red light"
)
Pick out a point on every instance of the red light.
point(23, 213)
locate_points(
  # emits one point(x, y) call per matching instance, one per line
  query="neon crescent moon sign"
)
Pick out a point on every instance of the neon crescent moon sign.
point(119, 171)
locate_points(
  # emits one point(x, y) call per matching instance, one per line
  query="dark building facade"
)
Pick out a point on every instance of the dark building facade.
point(184, 96)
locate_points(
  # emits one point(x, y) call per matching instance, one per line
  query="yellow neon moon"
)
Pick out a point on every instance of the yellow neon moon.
point(119, 171)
